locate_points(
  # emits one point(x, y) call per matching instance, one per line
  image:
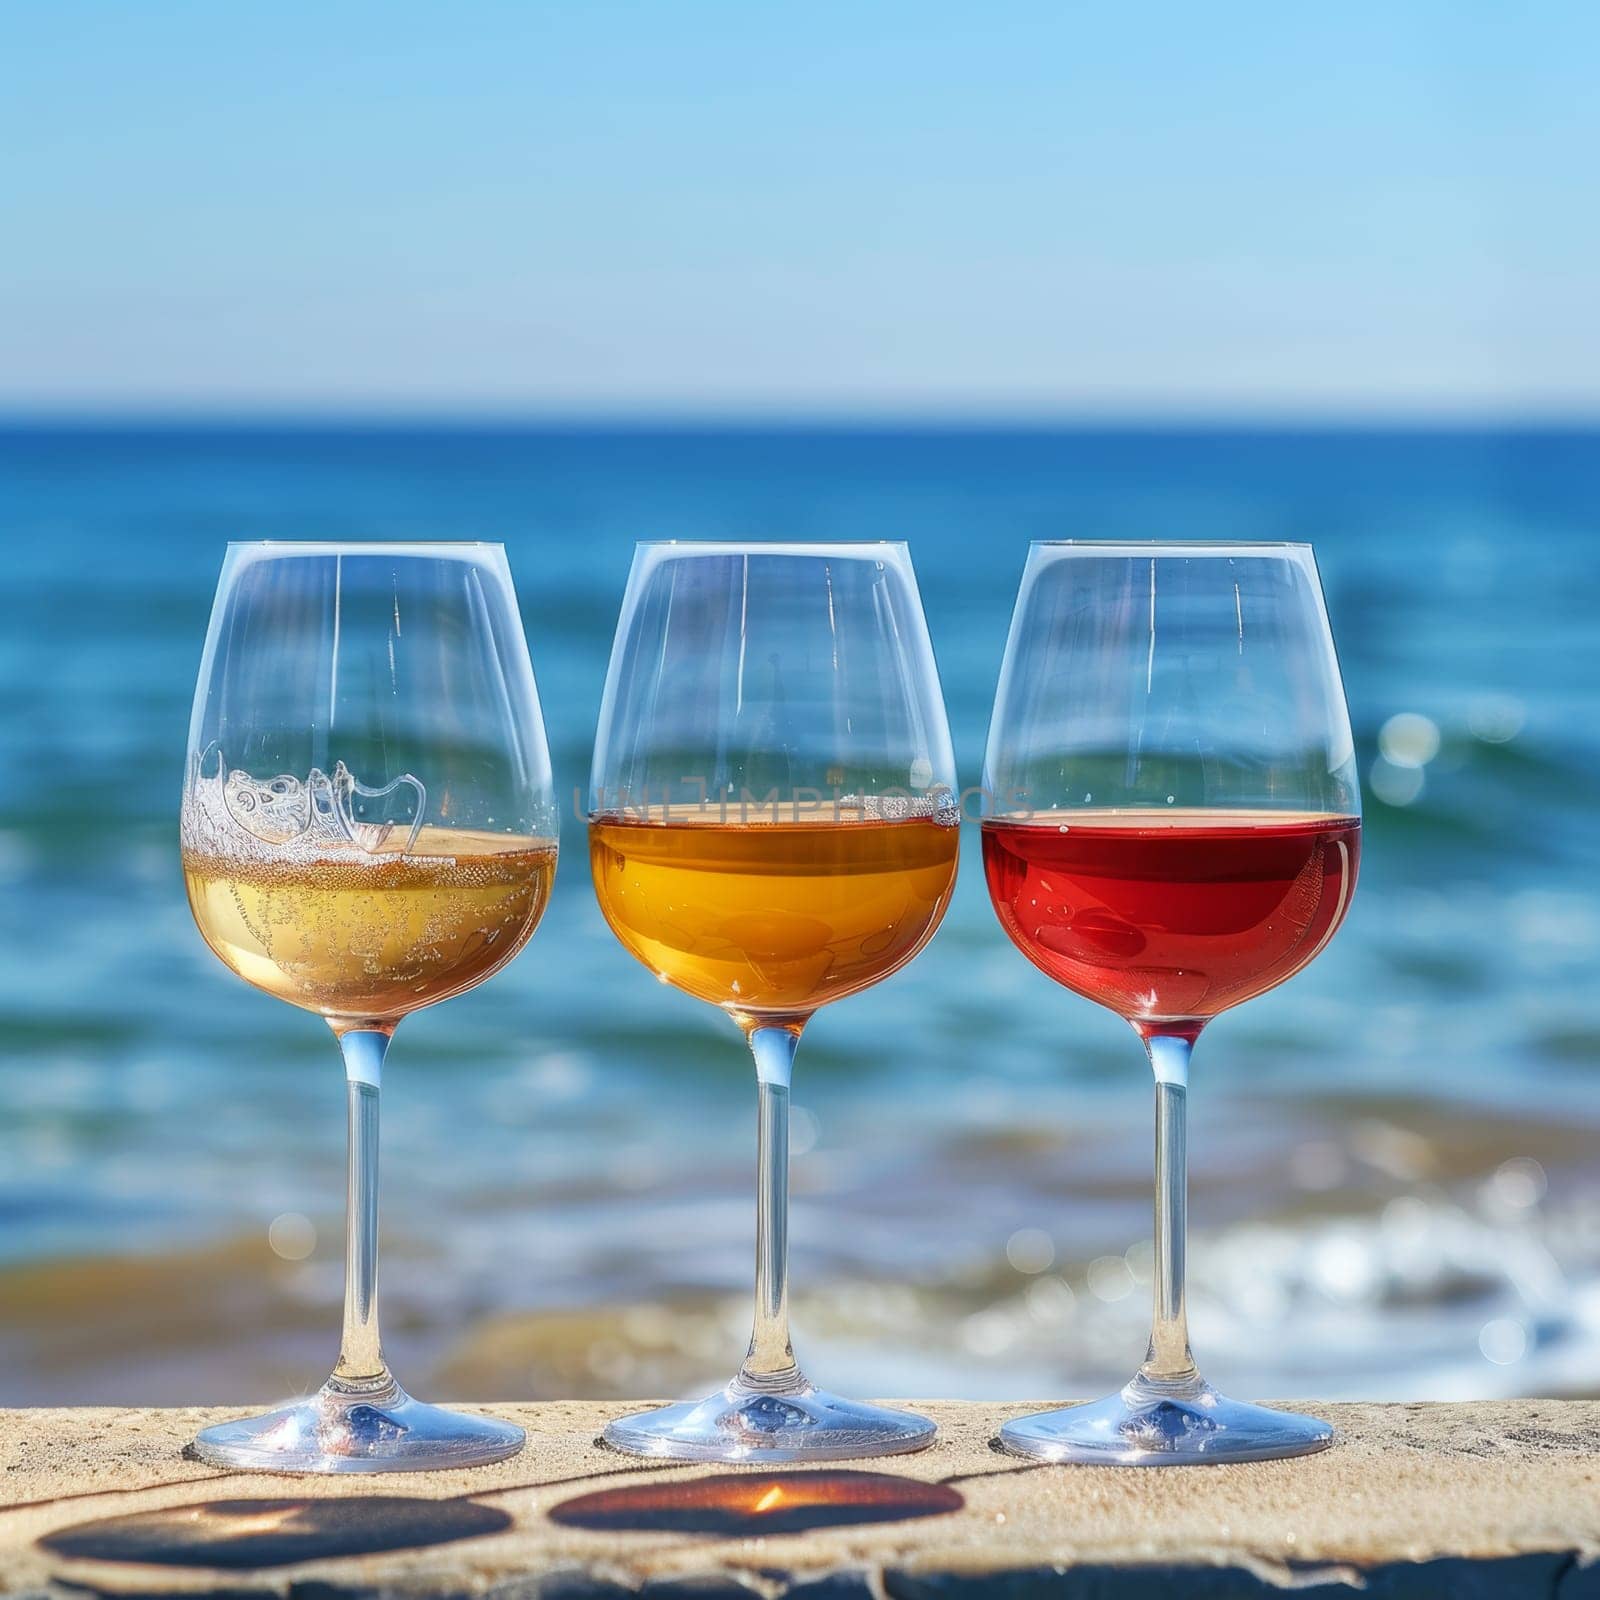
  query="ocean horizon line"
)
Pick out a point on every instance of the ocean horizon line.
point(667, 422)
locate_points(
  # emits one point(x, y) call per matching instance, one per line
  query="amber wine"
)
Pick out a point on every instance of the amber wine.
point(370, 938)
point(772, 917)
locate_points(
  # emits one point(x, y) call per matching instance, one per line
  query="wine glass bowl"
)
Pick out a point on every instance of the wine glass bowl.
point(772, 828)
point(1174, 828)
point(368, 827)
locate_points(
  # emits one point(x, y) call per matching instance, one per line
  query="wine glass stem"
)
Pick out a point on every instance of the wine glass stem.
point(361, 1365)
point(1169, 1364)
point(770, 1366)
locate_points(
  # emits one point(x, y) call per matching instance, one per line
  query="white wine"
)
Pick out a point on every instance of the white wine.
point(365, 939)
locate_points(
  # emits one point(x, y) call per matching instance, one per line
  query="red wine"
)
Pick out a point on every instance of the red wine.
point(1168, 917)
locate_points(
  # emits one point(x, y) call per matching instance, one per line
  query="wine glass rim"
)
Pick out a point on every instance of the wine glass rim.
point(341, 546)
point(770, 546)
point(1188, 546)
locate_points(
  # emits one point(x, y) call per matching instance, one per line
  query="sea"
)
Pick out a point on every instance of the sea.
point(1395, 1190)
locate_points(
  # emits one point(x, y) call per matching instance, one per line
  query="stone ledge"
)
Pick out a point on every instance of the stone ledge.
point(1491, 1499)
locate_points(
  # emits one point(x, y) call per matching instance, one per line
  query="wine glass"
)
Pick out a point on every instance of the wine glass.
point(368, 827)
point(1174, 827)
point(772, 827)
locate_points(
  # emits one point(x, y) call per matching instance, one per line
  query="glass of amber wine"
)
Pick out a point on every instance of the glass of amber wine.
point(368, 827)
point(1174, 827)
point(772, 827)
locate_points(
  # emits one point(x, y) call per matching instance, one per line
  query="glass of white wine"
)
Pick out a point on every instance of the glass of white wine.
point(368, 827)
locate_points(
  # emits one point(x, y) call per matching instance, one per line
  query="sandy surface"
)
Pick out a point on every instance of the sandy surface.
point(1517, 1483)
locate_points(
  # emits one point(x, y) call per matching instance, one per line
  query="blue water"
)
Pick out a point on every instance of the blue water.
point(568, 1148)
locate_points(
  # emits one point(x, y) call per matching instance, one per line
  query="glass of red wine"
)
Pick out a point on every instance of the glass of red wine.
point(1173, 827)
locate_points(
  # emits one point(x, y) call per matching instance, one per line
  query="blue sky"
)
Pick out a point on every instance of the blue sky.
point(819, 207)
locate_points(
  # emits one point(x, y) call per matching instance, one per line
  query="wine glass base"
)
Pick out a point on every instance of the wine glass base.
point(346, 1430)
point(739, 1424)
point(1144, 1426)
